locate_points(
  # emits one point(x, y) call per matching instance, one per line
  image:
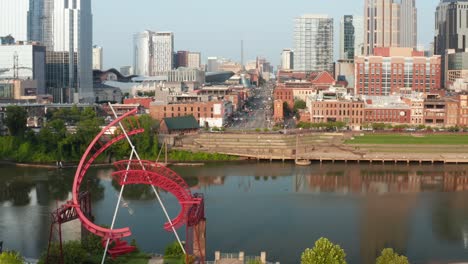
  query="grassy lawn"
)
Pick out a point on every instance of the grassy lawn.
point(410, 140)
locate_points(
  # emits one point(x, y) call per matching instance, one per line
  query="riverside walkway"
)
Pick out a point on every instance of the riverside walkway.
point(321, 147)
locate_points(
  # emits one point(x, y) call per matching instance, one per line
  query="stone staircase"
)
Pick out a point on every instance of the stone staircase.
point(273, 146)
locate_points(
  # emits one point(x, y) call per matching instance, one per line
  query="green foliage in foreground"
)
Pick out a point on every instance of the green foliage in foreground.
point(90, 252)
point(324, 252)
point(392, 139)
point(180, 155)
point(11, 257)
point(173, 250)
point(73, 253)
point(388, 256)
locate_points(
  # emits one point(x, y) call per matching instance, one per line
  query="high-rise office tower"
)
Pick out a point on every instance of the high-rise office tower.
point(451, 27)
point(351, 37)
point(143, 53)
point(98, 57)
point(313, 43)
point(163, 51)
point(382, 24)
point(194, 60)
point(408, 24)
point(72, 40)
point(181, 59)
point(287, 59)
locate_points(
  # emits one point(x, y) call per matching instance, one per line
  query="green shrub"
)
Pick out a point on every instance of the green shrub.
point(173, 250)
point(73, 253)
point(11, 257)
point(388, 256)
point(324, 252)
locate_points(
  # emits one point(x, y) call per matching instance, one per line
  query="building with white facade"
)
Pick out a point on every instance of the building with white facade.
point(212, 64)
point(313, 43)
point(97, 58)
point(287, 59)
point(24, 62)
point(126, 70)
point(143, 51)
point(194, 60)
point(163, 51)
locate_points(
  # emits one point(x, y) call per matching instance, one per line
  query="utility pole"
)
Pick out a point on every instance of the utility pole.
point(242, 54)
point(15, 66)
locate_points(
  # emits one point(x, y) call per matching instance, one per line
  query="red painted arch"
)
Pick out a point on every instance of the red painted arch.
point(85, 162)
point(156, 174)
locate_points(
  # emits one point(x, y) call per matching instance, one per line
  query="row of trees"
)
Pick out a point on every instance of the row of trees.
point(386, 126)
point(323, 126)
point(66, 135)
point(325, 252)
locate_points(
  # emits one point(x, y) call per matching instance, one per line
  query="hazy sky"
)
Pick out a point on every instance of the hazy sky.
point(216, 27)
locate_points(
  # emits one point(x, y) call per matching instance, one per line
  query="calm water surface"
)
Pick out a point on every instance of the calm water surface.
point(422, 211)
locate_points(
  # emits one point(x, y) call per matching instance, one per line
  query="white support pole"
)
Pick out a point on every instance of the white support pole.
point(117, 206)
point(154, 189)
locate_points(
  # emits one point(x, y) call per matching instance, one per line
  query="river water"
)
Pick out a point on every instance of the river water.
point(421, 211)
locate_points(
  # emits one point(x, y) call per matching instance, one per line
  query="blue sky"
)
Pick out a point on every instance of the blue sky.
point(216, 27)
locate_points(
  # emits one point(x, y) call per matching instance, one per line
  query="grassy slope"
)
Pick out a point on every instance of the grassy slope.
point(410, 140)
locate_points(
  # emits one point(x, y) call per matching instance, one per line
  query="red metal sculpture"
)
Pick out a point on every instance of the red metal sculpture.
point(138, 172)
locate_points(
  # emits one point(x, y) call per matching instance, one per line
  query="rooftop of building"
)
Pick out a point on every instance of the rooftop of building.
point(385, 102)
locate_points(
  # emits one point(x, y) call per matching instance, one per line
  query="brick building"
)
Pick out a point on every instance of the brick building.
point(285, 95)
point(392, 69)
point(333, 106)
point(208, 114)
point(442, 111)
point(416, 105)
point(388, 109)
point(278, 111)
point(463, 110)
point(142, 101)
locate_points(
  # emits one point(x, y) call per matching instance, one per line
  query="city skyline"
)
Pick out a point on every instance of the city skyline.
point(206, 28)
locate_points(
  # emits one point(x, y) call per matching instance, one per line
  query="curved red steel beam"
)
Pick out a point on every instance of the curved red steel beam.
point(164, 182)
point(79, 175)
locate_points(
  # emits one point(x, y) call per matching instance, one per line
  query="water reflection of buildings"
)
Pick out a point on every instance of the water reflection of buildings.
point(208, 181)
point(356, 180)
point(385, 218)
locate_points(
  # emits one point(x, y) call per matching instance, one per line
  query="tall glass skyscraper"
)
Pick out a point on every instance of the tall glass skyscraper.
point(351, 37)
point(313, 43)
point(451, 27)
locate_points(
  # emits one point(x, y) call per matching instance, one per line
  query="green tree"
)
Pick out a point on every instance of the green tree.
point(378, 126)
point(11, 257)
point(324, 252)
point(16, 118)
point(173, 250)
point(299, 104)
point(388, 256)
point(73, 253)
